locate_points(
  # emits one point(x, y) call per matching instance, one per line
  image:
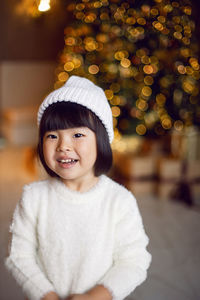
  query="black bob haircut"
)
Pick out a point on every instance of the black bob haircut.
point(63, 115)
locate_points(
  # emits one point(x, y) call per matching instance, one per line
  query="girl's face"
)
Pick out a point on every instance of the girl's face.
point(71, 154)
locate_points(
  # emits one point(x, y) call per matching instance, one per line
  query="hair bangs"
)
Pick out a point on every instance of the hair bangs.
point(60, 116)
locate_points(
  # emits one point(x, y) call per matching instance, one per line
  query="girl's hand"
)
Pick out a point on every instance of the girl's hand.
point(79, 297)
point(99, 292)
point(50, 296)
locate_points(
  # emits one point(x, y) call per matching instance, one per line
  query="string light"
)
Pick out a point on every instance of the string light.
point(44, 5)
point(144, 84)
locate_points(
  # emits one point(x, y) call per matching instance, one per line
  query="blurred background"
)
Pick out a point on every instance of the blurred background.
point(145, 55)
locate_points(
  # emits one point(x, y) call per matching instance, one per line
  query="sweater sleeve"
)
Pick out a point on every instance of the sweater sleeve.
point(131, 259)
point(22, 259)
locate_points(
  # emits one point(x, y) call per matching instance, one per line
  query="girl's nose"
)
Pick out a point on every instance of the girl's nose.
point(64, 146)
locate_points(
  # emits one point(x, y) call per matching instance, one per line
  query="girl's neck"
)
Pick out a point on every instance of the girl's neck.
point(82, 185)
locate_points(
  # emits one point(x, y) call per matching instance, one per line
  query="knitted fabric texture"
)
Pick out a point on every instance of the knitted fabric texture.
point(68, 242)
point(84, 92)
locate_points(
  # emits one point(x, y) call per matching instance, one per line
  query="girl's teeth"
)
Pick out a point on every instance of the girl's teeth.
point(67, 160)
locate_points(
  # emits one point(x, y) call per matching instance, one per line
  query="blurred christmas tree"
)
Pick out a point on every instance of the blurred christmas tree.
point(143, 54)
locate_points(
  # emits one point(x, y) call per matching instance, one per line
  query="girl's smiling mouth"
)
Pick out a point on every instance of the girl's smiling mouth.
point(67, 162)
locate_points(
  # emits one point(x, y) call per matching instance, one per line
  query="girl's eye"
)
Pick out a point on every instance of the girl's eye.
point(78, 135)
point(51, 136)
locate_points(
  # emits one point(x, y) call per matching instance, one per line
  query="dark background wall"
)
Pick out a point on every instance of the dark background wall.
point(26, 37)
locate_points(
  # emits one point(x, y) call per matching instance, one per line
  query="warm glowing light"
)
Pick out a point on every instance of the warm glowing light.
point(131, 20)
point(44, 5)
point(125, 62)
point(114, 122)
point(63, 76)
point(115, 100)
point(178, 125)
point(178, 35)
point(185, 52)
point(119, 55)
point(93, 69)
point(142, 104)
point(160, 99)
point(161, 19)
point(141, 21)
point(146, 91)
point(166, 123)
point(69, 66)
point(141, 129)
point(188, 10)
point(116, 111)
point(158, 25)
point(117, 134)
point(194, 63)
point(145, 59)
point(148, 80)
point(181, 69)
point(70, 41)
point(154, 11)
point(109, 94)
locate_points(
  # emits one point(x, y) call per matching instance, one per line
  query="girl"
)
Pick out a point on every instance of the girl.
point(77, 235)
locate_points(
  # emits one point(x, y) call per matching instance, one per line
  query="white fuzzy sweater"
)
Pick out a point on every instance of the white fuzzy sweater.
point(68, 242)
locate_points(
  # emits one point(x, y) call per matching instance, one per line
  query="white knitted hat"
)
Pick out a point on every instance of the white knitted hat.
point(84, 92)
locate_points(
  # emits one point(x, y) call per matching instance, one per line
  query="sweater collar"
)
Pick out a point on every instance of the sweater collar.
point(69, 195)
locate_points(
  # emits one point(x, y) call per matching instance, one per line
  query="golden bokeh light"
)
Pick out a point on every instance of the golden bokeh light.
point(142, 104)
point(141, 129)
point(187, 10)
point(178, 125)
point(119, 55)
point(178, 35)
point(154, 11)
point(158, 25)
point(185, 52)
point(115, 111)
point(141, 21)
point(160, 99)
point(76, 62)
point(148, 69)
point(181, 69)
point(145, 59)
point(194, 63)
point(148, 80)
point(125, 62)
point(178, 28)
point(115, 122)
point(63, 76)
point(109, 94)
point(186, 41)
point(80, 6)
point(131, 20)
point(70, 41)
point(115, 100)
point(93, 69)
point(166, 123)
point(189, 70)
point(69, 66)
point(146, 91)
point(161, 19)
